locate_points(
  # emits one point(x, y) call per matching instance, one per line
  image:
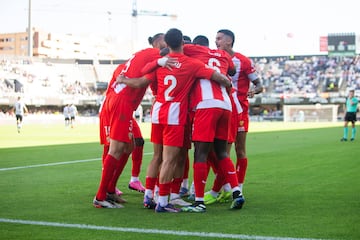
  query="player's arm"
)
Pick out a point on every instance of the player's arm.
point(167, 62)
point(133, 82)
point(221, 79)
point(258, 88)
point(254, 78)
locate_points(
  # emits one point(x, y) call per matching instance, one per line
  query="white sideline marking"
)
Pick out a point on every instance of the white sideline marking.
point(152, 231)
point(54, 164)
point(49, 164)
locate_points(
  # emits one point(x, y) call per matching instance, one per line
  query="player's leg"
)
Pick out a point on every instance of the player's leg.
point(241, 159)
point(175, 198)
point(121, 142)
point(72, 121)
point(137, 156)
point(227, 168)
point(111, 162)
point(353, 129)
point(18, 122)
point(345, 130)
point(204, 128)
point(213, 195)
point(184, 188)
point(152, 170)
point(171, 156)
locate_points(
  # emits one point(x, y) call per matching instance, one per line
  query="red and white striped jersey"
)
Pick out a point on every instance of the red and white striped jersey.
point(245, 72)
point(207, 93)
point(132, 69)
point(173, 89)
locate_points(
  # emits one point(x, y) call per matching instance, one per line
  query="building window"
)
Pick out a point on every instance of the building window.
point(9, 39)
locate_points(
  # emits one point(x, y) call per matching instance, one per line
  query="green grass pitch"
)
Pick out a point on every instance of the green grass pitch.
point(301, 183)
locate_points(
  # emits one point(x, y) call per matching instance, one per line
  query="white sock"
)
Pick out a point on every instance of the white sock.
point(149, 193)
point(241, 187)
point(134, 179)
point(163, 200)
point(174, 196)
point(213, 193)
point(198, 199)
point(185, 183)
point(192, 188)
point(227, 187)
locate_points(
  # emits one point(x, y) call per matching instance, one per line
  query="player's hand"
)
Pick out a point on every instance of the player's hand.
point(251, 94)
point(167, 62)
point(120, 78)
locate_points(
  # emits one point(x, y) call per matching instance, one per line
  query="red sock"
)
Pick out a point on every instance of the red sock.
point(218, 182)
point(176, 185)
point(136, 157)
point(164, 189)
point(150, 182)
point(118, 170)
point(219, 178)
point(107, 173)
point(105, 152)
point(227, 168)
point(241, 166)
point(200, 176)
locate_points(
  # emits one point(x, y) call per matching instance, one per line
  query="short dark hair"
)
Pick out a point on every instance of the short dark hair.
point(187, 39)
point(152, 39)
point(174, 38)
point(229, 33)
point(201, 40)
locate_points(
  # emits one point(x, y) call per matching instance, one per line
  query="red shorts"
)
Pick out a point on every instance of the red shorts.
point(233, 129)
point(120, 119)
point(136, 129)
point(211, 123)
point(104, 125)
point(244, 117)
point(169, 135)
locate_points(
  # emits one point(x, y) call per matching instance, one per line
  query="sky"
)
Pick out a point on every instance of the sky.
point(261, 27)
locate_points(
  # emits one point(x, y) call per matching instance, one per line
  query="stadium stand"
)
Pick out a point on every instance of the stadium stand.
point(55, 82)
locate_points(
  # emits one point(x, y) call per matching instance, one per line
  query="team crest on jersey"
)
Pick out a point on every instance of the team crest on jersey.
point(241, 123)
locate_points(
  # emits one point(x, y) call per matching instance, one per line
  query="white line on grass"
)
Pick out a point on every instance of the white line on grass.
point(55, 164)
point(151, 231)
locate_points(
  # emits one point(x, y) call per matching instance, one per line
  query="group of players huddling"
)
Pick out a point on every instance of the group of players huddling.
point(201, 98)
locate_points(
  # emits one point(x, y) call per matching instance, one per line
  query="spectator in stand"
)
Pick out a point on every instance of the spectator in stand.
point(350, 116)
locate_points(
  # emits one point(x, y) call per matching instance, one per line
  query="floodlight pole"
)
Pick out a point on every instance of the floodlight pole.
point(30, 38)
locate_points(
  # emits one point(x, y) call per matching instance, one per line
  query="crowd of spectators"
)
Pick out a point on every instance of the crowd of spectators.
point(42, 79)
point(280, 75)
point(309, 75)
